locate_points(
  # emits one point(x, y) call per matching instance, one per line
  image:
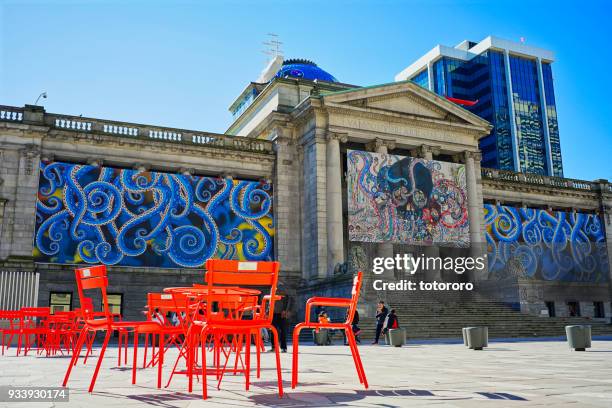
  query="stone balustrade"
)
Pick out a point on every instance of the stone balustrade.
point(11, 114)
point(132, 130)
point(557, 182)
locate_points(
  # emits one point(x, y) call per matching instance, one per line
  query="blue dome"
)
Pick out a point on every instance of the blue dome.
point(301, 68)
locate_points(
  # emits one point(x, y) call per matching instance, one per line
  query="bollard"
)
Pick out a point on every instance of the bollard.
point(477, 337)
point(578, 337)
point(396, 337)
point(321, 338)
point(464, 334)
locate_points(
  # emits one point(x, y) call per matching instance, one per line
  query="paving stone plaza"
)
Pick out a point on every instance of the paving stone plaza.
point(517, 374)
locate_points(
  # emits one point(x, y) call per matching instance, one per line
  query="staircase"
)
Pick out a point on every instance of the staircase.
point(433, 315)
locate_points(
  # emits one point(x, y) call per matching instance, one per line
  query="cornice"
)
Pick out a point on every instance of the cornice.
point(489, 187)
point(95, 139)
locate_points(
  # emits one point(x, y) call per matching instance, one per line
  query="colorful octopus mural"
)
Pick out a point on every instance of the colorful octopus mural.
point(87, 214)
point(406, 200)
point(545, 245)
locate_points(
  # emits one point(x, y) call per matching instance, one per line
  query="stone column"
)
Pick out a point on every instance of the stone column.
point(20, 213)
point(385, 249)
point(2, 205)
point(475, 211)
point(335, 229)
point(287, 207)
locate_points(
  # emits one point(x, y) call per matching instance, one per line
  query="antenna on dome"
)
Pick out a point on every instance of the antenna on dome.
point(273, 47)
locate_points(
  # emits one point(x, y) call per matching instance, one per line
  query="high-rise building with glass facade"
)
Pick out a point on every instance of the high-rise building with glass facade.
point(512, 87)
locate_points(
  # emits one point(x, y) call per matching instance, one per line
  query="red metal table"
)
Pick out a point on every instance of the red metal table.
point(241, 298)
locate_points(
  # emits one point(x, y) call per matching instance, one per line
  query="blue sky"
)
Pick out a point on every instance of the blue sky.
point(182, 63)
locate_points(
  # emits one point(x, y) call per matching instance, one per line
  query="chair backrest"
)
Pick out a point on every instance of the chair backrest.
point(229, 273)
point(241, 273)
point(357, 281)
point(89, 278)
point(166, 302)
point(12, 316)
point(35, 315)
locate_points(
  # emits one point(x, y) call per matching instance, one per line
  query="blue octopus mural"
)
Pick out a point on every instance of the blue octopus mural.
point(91, 215)
point(545, 245)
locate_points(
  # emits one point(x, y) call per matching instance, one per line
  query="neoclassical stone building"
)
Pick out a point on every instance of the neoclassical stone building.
point(279, 185)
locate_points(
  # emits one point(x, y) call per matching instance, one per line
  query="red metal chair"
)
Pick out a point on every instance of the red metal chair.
point(94, 278)
point(34, 326)
point(351, 304)
point(14, 320)
point(225, 315)
point(159, 304)
point(62, 332)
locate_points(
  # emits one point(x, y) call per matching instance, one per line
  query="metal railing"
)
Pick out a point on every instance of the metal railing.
point(18, 289)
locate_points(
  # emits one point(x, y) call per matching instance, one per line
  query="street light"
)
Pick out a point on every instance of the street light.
point(42, 95)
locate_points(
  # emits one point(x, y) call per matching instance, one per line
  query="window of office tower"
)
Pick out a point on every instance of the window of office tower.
point(421, 79)
point(553, 126)
point(528, 118)
point(451, 78)
point(488, 75)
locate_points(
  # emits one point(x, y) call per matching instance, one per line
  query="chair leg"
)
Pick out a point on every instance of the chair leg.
point(90, 342)
point(119, 350)
point(203, 336)
point(247, 360)
point(100, 358)
point(257, 346)
point(296, 342)
point(75, 355)
point(160, 359)
point(347, 333)
point(278, 364)
point(357, 358)
point(146, 344)
point(190, 351)
point(135, 363)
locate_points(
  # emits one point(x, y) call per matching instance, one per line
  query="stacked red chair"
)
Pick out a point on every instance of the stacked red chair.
point(95, 278)
point(14, 322)
point(35, 328)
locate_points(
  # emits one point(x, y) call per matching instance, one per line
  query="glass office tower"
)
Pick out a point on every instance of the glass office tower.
point(512, 84)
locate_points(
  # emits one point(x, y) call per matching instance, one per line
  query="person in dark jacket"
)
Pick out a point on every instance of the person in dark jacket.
point(391, 322)
point(381, 315)
point(354, 325)
point(280, 320)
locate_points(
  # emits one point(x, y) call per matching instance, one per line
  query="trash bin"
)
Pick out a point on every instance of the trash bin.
point(477, 337)
point(396, 337)
point(321, 338)
point(578, 337)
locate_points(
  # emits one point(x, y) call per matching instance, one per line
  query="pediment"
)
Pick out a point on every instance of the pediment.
point(404, 99)
point(403, 102)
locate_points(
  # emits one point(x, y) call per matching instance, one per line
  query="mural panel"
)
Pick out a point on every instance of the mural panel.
point(91, 215)
point(406, 200)
point(545, 245)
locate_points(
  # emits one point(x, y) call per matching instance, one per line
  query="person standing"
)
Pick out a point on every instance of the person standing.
point(381, 315)
point(354, 326)
point(280, 320)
